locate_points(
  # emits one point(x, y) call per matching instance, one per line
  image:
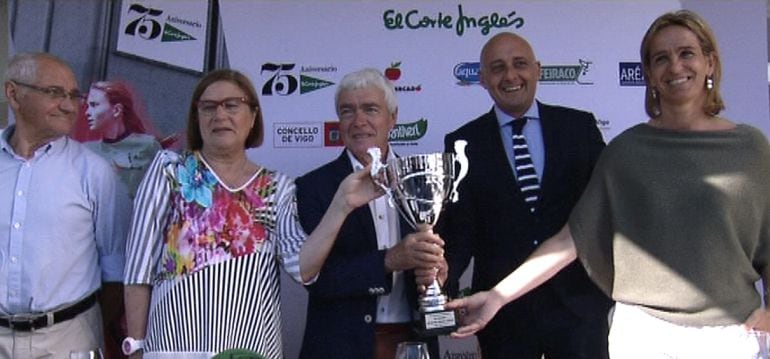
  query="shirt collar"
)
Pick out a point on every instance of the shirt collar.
point(5, 136)
point(504, 119)
point(5, 145)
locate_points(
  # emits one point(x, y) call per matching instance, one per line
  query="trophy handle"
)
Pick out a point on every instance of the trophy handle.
point(378, 174)
point(462, 160)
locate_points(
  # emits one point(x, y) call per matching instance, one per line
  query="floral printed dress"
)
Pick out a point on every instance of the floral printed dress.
point(211, 254)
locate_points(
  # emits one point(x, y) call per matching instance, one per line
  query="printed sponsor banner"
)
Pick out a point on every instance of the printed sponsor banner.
point(298, 134)
point(296, 52)
point(630, 74)
point(429, 50)
point(170, 32)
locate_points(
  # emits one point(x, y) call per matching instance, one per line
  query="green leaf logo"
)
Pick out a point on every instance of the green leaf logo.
point(171, 34)
point(409, 131)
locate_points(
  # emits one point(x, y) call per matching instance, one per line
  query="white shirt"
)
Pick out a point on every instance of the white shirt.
point(392, 307)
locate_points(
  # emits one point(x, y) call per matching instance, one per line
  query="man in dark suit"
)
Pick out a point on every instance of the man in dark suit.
point(498, 222)
point(362, 304)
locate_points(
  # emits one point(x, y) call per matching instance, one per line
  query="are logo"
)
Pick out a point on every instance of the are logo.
point(282, 81)
point(566, 74)
point(630, 74)
point(146, 24)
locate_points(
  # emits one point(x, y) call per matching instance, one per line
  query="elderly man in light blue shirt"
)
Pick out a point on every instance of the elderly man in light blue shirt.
point(63, 222)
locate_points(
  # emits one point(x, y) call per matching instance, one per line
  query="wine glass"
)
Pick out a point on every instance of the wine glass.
point(763, 340)
point(87, 354)
point(412, 350)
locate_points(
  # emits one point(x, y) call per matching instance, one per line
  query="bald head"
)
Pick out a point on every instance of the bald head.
point(43, 93)
point(506, 38)
point(509, 71)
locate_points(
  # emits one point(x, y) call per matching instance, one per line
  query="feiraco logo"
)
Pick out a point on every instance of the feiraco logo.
point(283, 81)
point(566, 74)
point(147, 25)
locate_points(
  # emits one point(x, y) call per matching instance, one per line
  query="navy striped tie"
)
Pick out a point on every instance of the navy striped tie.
point(525, 170)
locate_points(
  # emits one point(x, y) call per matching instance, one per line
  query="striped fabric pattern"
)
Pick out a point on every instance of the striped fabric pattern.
point(225, 301)
point(526, 175)
point(233, 304)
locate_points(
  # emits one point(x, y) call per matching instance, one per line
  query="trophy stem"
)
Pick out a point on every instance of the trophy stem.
point(434, 318)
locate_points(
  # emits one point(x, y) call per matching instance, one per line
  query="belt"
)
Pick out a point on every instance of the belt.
point(29, 322)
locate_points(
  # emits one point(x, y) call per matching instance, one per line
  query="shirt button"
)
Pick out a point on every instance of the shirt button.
point(367, 318)
point(535, 242)
point(17, 225)
point(380, 217)
point(19, 193)
point(13, 259)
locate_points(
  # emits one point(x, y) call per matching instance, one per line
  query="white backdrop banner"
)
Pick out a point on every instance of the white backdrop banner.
point(297, 51)
point(170, 32)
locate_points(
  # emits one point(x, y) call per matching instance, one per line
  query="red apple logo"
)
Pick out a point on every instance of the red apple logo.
point(393, 73)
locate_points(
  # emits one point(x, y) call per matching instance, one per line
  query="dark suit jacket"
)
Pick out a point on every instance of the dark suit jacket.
point(491, 221)
point(342, 303)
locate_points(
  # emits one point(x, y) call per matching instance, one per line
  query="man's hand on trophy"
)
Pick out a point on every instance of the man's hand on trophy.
point(422, 249)
point(356, 190)
point(425, 276)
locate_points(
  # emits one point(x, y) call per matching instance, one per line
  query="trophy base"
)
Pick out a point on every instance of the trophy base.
point(440, 322)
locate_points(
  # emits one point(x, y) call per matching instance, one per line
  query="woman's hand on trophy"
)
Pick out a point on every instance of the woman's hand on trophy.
point(422, 249)
point(475, 311)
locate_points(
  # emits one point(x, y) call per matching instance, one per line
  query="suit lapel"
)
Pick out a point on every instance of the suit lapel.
point(552, 147)
point(361, 216)
point(495, 150)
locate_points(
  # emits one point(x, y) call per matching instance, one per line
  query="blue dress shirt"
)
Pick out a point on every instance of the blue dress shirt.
point(62, 225)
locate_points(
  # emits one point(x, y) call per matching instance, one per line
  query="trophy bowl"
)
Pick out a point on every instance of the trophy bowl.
point(419, 186)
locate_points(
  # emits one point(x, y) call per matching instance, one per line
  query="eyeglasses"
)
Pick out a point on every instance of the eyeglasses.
point(55, 92)
point(232, 105)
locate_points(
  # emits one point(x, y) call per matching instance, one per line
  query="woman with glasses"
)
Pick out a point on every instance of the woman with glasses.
point(210, 230)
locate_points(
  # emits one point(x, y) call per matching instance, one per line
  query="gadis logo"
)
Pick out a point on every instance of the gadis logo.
point(393, 73)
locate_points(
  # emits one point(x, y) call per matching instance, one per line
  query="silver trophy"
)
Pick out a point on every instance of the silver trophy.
point(419, 186)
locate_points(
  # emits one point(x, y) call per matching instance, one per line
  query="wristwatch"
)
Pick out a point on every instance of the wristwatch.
point(131, 345)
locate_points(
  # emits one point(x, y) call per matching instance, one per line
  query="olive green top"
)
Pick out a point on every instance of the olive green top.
point(678, 222)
